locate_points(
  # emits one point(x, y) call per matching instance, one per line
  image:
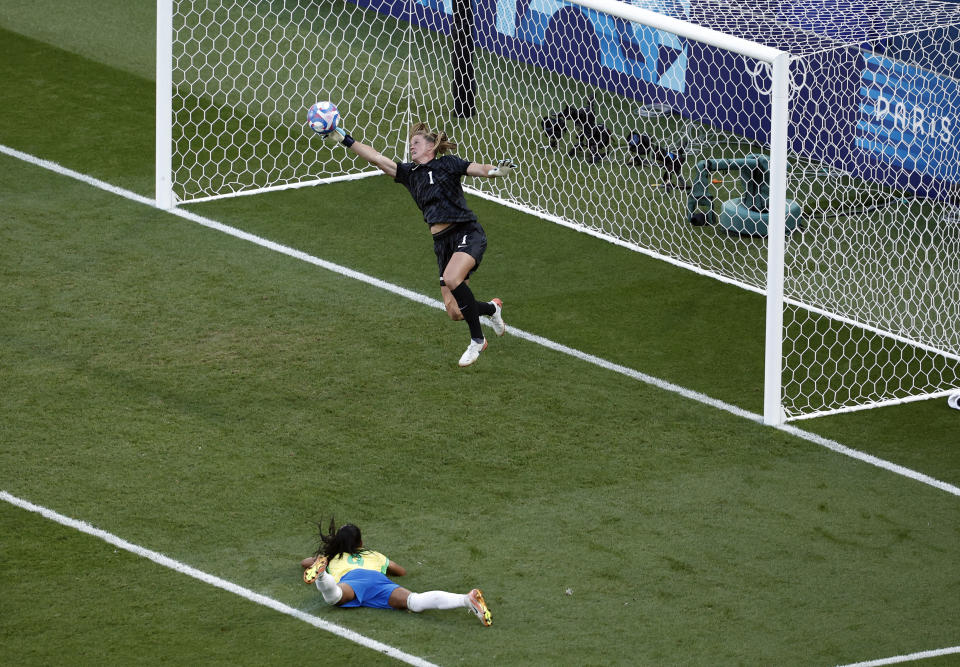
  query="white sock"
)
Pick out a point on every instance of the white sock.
point(329, 589)
point(436, 600)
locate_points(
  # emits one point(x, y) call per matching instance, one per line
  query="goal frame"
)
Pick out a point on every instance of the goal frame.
point(779, 65)
point(779, 61)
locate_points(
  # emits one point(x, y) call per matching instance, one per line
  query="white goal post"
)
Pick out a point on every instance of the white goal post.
point(805, 150)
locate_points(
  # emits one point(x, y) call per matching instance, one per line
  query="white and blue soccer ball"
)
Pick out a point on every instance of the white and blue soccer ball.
point(323, 117)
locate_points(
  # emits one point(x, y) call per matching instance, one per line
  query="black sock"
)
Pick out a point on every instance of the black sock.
point(469, 309)
point(486, 308)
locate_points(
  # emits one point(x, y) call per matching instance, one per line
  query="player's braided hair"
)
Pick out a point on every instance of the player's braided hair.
point(334, 542)
point(440, 141)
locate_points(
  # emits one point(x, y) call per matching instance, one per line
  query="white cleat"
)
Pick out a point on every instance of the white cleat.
point(496, 320)
point(473, 352)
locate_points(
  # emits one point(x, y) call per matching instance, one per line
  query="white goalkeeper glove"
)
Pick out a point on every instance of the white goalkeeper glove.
point(340, 135)
point(502, 168)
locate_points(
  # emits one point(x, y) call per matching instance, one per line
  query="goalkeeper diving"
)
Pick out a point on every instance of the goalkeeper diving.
point(434, 178)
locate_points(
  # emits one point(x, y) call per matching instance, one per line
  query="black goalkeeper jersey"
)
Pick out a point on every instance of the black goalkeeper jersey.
point(436, 188)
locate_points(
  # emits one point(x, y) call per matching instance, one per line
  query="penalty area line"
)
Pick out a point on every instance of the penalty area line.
point(539, 340)
point(213, 580)
point(911, 657)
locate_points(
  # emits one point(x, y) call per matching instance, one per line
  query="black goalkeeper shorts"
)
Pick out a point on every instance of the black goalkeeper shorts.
point(467, 237)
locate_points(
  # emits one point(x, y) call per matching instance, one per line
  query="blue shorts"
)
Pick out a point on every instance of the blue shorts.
point(372, 589)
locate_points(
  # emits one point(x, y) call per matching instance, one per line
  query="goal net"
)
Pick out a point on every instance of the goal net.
point(651, 124)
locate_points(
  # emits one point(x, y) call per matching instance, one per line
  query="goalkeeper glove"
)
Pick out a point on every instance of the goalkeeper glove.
point(341, 135)
point(502, 168)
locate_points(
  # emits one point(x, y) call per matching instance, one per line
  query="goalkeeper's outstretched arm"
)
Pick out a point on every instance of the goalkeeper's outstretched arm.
point(502, 168)
point(369, 153)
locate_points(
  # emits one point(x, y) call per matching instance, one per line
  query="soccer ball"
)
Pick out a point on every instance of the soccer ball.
point(323, 117)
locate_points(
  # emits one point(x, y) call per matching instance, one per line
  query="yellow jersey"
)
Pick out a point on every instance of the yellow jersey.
point(364, 560)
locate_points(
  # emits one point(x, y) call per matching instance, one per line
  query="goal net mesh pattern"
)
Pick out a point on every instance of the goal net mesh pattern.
point(654, 141)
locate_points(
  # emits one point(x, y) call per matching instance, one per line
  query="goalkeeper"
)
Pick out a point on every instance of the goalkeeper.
point(433, 178)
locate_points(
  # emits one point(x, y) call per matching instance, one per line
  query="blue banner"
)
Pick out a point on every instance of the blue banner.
point(908, 117)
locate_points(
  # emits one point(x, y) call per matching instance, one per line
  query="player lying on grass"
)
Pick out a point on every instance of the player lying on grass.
point(434, 179)
point(349, 575)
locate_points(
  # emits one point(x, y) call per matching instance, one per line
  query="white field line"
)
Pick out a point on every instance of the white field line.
point(231, 587)
point(539, 340)
point(533, 338)
point(922, 655)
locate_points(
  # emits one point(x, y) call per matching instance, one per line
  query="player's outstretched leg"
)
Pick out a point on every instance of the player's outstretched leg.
point(417, 602)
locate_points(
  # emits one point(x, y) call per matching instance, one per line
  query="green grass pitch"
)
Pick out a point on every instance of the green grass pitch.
point(207, 398)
